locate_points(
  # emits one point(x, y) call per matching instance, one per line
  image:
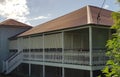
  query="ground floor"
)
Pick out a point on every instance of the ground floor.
point(33, 70)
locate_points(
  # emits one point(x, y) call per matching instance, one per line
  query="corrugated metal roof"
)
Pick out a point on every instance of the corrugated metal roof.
point(83, 16)
point(13, 23)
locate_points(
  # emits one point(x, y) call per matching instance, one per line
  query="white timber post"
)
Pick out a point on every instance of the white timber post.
point(3, 64)
point(18, 44)
point(29, 69)
point(90, 50)
point(43, 55)
point(6, 65)
point(29, 42)
point(63, 70)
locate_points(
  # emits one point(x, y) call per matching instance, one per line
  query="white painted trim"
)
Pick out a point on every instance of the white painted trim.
point(62, 47)
point(43, 56)
point(63, 53)
point(59, 31)
point(66, 65)
point(104, 27)
point(82, 67)
point(90, 44)
point(29, 42)
point(29, 69)
point(91, 73)
point(90, 49)
point(29, 56)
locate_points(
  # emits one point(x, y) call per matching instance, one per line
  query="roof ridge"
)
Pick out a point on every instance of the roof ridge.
point(89, 15)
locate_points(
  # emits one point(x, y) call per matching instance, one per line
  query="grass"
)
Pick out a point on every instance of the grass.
point(15, 74)
point(4, 75)
point(18, 75)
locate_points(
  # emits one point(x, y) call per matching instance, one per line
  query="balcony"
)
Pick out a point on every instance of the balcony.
point(69, 56)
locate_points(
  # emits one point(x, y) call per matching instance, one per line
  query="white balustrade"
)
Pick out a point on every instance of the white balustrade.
point(75, 57)
point(70, 57)
point(12, 62)
point(99, 57)
point(53, 56)
point(33, 56)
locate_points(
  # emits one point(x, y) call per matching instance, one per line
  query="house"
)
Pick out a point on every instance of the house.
point(9, 28)
point(72, 45)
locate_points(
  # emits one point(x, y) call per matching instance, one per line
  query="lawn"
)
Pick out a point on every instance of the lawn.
point(4, 75)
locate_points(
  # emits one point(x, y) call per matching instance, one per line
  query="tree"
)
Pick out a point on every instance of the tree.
point(118, 0)
point(112, 68)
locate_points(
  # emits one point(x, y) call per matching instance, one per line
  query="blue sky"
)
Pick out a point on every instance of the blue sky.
point(36, 12)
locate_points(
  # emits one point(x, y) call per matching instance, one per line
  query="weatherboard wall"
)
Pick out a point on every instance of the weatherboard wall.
point(6, 33)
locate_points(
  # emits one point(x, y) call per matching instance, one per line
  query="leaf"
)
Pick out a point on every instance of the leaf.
point(106, 70)
point(110, 62)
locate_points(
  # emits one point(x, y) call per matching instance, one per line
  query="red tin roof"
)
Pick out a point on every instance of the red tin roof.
point(83, 16)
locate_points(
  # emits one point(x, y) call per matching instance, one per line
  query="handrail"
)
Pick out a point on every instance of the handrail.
point(12, 56)
point(12, 62)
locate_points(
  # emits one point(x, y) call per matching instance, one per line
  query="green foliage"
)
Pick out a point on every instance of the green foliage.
point(112, 68)
point(118, 0)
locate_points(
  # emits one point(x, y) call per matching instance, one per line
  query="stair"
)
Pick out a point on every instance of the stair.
point(12, 62)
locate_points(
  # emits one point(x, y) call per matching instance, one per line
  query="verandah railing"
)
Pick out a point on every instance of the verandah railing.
point(69, 56)
point(12, 62)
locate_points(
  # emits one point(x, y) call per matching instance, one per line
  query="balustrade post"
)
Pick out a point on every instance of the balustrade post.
point(3, 68)
point(6, 64)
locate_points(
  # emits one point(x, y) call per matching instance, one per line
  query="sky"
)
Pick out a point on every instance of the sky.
point(35, 12)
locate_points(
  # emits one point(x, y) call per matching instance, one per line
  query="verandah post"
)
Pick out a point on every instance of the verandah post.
point(90, 50)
